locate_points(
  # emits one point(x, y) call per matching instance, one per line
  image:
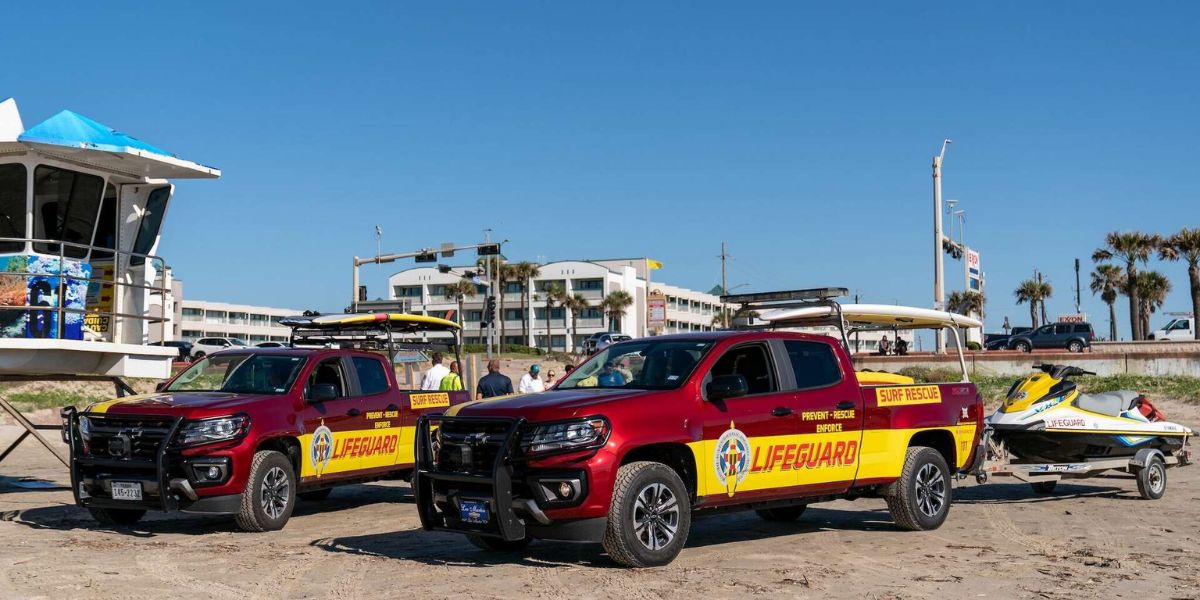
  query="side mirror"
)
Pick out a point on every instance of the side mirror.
point(726, 386)
point(324, 391)
point(160, 386)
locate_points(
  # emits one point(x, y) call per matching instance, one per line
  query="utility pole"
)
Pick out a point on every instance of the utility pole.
point(487, 239)
point(939, 293)
point(724, 288)
point(1038, 274)
point(1078, 304)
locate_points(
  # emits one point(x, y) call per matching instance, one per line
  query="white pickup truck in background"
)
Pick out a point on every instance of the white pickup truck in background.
point(1183, 328)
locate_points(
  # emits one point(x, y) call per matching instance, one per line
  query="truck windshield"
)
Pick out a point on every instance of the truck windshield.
point(240, 374)
point(645, 364)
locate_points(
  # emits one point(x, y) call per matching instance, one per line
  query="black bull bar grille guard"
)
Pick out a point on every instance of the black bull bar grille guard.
point(158, 464)
point(492, 483)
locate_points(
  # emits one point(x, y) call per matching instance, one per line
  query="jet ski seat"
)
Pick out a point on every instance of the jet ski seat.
point(1108, 403)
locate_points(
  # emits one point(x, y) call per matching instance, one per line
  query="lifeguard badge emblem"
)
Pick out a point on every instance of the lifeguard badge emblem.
point(731, 459)
point(320, 449)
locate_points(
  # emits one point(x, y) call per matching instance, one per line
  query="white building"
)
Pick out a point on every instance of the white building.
point(254, 324)
point(422, 290)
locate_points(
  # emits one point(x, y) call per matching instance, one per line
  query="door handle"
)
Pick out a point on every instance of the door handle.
point(781, 411)
point(392, 407)
point(353, 412)
point(846, 405)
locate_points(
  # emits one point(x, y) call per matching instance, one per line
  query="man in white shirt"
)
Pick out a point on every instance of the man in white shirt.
point(531, 382)
point(433, 377)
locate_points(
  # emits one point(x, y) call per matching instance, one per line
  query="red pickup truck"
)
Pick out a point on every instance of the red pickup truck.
point(244, 432)
point(649, 431)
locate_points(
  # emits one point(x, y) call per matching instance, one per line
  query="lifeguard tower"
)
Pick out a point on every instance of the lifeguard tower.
point(81, 212)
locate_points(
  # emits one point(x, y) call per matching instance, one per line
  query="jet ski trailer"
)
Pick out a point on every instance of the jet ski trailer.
point(1148, 466)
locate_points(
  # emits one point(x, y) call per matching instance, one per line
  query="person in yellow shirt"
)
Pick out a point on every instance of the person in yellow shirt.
point(452, 382)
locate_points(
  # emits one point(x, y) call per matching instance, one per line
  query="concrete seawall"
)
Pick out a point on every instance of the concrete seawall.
point(1144, 361)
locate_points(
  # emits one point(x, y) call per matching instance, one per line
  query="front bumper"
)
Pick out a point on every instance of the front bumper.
point(515, 496)
point(166, 479)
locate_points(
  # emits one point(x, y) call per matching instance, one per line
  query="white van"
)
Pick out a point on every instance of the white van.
point(1183, 328)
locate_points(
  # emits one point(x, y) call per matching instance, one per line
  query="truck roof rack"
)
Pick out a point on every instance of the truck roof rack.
point(373, 332)
point(772, 299)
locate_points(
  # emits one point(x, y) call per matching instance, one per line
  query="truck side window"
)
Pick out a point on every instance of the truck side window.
point(750, 362)
point(814, 364)
point(329, 371)
point(371, 376)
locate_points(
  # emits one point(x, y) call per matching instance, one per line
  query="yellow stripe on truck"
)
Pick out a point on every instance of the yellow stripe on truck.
point(101, 407)
point(806, 459)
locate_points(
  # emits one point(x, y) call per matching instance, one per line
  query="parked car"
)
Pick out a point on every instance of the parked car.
point(1074, 337)
point(205, 346)
point(185, 349)
point(999, 341)
point(599, 341)
point(246, 431)
point(771, 421)
point(270, 345)
point(1178, 329)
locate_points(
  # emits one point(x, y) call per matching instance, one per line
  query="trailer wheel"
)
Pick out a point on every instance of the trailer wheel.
point(783, 513)
point(270, 494)
point(1152, 479)
point(117, 516)
point(649, 516)
point(1044, 487)
point(492, 544)
point(920, 499)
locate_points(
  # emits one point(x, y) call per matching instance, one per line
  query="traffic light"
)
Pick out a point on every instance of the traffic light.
point(362, 293)
point(489, 310)
point(488, 250)
point(426, 257)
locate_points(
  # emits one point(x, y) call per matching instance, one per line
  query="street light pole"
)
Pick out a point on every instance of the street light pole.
point(939, 292)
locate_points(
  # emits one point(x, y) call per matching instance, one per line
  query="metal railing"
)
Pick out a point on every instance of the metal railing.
point(116, 284)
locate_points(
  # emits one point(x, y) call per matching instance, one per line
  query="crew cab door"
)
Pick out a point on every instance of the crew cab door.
point(740, 433)
point(825, 455)
point(330, 424)
point(381, 411)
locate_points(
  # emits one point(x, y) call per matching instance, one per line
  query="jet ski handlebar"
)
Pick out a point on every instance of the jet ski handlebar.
point(1061, 371)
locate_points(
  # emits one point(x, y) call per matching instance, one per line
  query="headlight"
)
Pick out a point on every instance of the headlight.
point(85, 428)
point(566, 436)
point(213, 430)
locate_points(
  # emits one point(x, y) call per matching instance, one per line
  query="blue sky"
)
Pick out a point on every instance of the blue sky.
point(799, 134)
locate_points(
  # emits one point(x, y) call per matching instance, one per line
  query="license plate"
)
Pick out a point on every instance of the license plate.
point(473, 511)
point(126, 490)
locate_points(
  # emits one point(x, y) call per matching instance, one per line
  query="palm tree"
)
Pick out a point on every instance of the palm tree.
point(551, 295)
point(967, 302)
point(1185, 245)
point(459, 291)
point(1034, 292)
point(1107, 281)
point(1152, 290)
point(524, 272)
point(614, 306)
point(576, 304)
point(1131, 247)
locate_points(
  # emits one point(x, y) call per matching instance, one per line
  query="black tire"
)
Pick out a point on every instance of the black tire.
point(315, 495)
point(654, 492)
point(118, 517)
point(1023, 347)
point(1044, 487)
point(1075, 346)
point(782, 514)
point(920, 499)
point(1152, 479)
point(271, 486)
point(492, 544)
point(197, 356)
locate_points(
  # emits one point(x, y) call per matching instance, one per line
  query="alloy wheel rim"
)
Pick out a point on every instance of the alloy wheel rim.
point(275, 490)
point(931, 490)
point(655, 516)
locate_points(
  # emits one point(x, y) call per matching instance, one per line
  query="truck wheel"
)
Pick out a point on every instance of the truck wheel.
point(1152, 479)
point(650, 515)
point(920, 499)
point(1044, 487)
point(1075, 346)
point(1022, 347)
point(783, 513)
point(270, 493)
point(315, 495)
point(492, 544)
point(117, 516)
